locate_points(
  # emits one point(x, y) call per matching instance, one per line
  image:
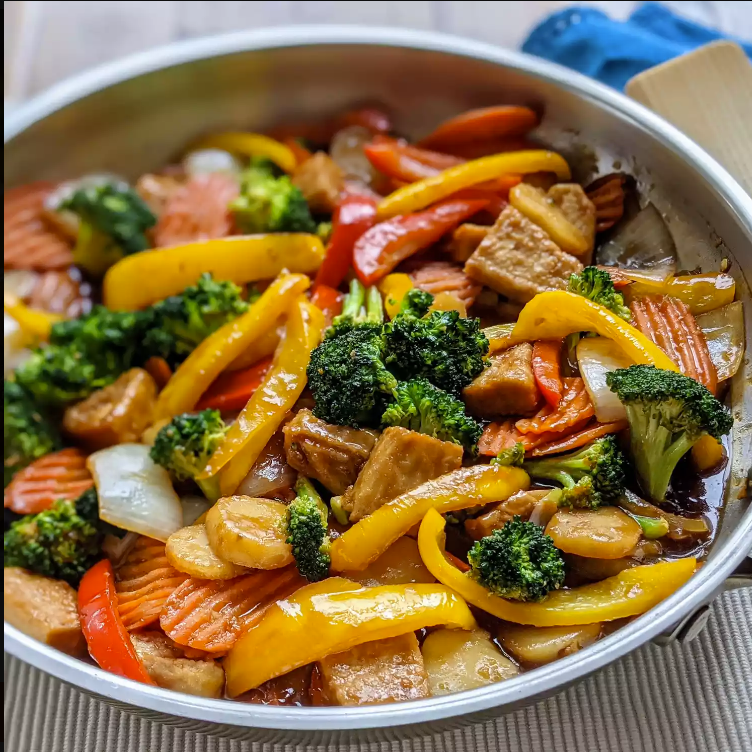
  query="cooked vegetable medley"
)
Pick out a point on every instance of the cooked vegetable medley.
point(353, 419)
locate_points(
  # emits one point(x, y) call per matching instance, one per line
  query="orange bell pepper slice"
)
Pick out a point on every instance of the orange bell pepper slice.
point(382, 247)
point(547, 369)
point(269, 404)
point(368, 538)
point(199, 370)
point(482, 124)
point(417, 196)
point(332, 616)
point(629, 593)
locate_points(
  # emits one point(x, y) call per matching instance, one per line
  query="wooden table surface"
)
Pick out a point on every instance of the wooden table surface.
point(46, 41)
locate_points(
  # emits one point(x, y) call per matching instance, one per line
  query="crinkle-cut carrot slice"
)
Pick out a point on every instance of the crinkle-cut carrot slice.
point(592, 431)
point(59, 475)
point(575, 406)
point(61, 292)
point(670, 324)
point(444, 276)
point(607, 194)
point(29, 242)
point(145, 581)
point(197, 210)
point(211, 615)
point(503, 435)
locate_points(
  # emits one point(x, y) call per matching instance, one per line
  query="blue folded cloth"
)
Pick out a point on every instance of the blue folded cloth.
point(590, 42)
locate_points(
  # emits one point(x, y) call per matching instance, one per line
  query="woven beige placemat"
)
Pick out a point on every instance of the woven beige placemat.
point(695, 697)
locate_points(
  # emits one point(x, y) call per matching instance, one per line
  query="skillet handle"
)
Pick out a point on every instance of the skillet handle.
point(706, 94)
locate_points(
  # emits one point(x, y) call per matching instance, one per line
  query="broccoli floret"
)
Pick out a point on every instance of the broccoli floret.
point(591, 476)
point(348, 378)
point(307, 532)
point(420, 406)
point(667, 413)
point(596, 284)
point(27, 434)
point(62, 542)
point(517, 561)
point(84, 355)
point(440, 346)
point(113, 223)
point(270, 203)
point(324, 231)
point(185, 444)
point(181, 322)
point(416, 303)
point(513, 456)
point(361, 308)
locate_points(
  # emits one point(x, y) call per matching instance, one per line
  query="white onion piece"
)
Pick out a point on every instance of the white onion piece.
point(193, 508)
point(14, 345)
point(597, 356)
point(346, 149)
point(211, 161)
point(643, 243)
point(20, 282)
point(116, 548)
point(135, 493)
point(724, 332)
point(270, 474)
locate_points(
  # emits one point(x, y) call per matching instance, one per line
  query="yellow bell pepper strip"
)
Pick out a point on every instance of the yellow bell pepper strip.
point(332, 616)
point(423, 193)
point(467, 487)
point(707, 453)
point(630, 593)
point(538, 208)
point(143, 278)
point(393, 288)
point(263, 347)
point(701, 292)
point(251, 145)
point(266, 409)
point(557, 313)
point(220, 349)
point(34, 322)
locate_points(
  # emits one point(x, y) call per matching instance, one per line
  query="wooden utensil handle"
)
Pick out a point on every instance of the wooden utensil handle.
point(707, 94)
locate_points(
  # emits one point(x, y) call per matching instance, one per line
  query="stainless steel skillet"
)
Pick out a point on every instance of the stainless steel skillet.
point(135, 114)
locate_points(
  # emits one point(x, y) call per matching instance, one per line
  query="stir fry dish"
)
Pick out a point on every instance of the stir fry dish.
point(324, 416)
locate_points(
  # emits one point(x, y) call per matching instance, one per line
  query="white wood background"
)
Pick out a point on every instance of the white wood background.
point(46, 40)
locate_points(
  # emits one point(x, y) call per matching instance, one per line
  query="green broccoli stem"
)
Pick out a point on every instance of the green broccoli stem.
point(339, 512)
point(652, 527)
point(210, 487)
point(374, 306)
point(654, 452)
point(304, 489)
point(354, 300)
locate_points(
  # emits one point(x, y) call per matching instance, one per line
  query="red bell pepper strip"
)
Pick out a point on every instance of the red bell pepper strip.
point(374, 120)
point(107, 638)
point(382, 247)
point(480, 125)
point(328, 300)
point(355, 214)
point(232, 389)
point(547, 369)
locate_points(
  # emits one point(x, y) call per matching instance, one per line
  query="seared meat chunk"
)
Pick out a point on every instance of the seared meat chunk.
point(166, 663)
point(44, 609)
point(401, 460)
point(506, 387)
point(444, 276)
point(320, 181)
point(465, 239)
point(331, 454)
point(522, 503)
point(518, 259)
point(578, 209)
point(388, 670)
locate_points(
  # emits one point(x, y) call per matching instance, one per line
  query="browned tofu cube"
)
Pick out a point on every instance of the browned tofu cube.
point(166, 663)
point(578, 209)
point(518, 259)
point(44, 609)
point(320, 181)
point(400, 461)
point(333, 455)
point(506, 387)
point(388, 670)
